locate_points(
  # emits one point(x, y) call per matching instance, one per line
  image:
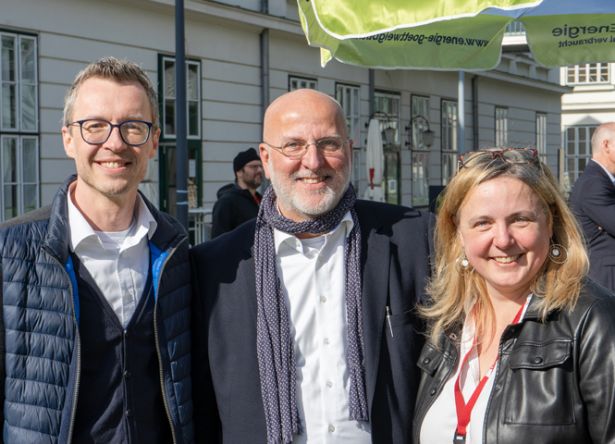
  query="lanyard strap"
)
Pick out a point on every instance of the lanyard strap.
point(464, 411)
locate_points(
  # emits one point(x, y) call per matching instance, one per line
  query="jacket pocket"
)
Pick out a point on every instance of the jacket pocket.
point(540, 384)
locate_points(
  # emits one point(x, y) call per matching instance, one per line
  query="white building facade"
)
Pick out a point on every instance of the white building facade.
point(241, 55)
point(590, 103)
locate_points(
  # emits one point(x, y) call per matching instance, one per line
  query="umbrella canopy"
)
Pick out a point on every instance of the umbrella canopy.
point(457, 34)
point(374, 161)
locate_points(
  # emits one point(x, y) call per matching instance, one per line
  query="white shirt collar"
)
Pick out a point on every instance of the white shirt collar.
point(606, 171)
point(80, 229)
point(280, 237)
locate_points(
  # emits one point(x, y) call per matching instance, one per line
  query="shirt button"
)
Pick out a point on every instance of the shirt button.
point(128, 413)
point(329, 384)
point(331, 428)
point(126, 374)
point(325, 341)
point(323, 299)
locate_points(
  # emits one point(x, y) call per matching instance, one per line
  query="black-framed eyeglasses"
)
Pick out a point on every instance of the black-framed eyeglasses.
point(508, 155)
point(97, 131)
point(296, 149)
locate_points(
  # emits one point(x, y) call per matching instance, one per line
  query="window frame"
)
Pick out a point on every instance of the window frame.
point(20, 133)
point(308, 82)
point(419, 152)
point(581, 74)
point(500, 119)
point(449, 148)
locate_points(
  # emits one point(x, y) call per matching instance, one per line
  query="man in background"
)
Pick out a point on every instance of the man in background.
point(593, 201)
point(238, 202)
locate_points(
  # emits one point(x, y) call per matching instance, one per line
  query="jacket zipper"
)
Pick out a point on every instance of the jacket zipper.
point(160, 367)
point(78, 345)
point(495, 378)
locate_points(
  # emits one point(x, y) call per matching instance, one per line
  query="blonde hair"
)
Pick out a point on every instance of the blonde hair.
point(453, 289)
point(114, 69)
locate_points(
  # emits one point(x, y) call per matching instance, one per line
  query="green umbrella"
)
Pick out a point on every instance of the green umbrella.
point(457, 34)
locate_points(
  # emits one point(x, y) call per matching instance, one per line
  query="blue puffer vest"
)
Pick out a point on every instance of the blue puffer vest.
point(41, 318)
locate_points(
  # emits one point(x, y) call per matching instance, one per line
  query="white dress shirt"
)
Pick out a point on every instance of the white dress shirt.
point(312, 274)
point(117, 261)
point(440, 421)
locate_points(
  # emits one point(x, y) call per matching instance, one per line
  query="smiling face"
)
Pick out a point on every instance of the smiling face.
point(110, 170)
point(505, 233)
point(313, 185)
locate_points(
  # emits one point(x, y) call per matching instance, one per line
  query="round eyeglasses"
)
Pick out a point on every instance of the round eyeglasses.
point(97, 131)
point(296, 149)
point(508, 155)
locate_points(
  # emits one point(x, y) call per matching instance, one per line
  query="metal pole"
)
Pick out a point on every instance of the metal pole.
point(461, 121)
point(181, 151)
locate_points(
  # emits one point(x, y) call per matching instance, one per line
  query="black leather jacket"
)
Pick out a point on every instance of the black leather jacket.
point(555, 382)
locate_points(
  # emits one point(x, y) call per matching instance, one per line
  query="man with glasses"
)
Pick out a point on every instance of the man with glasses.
point(304, 322)
point(96, 287)
point(238, 202)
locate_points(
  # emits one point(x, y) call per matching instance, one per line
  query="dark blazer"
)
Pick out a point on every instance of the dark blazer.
point(593, 202)
point(395, 268)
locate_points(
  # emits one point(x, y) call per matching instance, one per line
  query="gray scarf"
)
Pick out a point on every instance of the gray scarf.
point(274, 344)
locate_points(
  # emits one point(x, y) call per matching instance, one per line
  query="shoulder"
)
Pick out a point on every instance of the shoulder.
point(237, 242)
point(393, 220)
point(594, 310)
point(27, 224)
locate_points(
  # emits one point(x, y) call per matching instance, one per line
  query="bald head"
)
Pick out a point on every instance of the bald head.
point(291, 104)
point(603, 146)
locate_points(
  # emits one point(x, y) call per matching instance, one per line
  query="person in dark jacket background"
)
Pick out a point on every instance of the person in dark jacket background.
point(521, 341)
point(593, 202)
point(238, 202)
point(96, 287)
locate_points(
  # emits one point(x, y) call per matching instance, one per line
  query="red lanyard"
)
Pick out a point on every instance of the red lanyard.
point(464, 411)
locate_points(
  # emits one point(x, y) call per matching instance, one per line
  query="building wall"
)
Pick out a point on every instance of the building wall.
point(225, 38)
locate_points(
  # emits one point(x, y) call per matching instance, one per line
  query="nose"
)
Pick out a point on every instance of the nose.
point(115, 141)
point(313, 158)
point(502, 237)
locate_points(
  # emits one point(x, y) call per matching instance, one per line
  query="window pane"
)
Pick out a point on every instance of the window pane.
point(29, 159)
point(9, 160)
point(169, 79)
point(28, 60)
point(193, 118)
point(28, 107)
point(9, 73)
point(9, 106)
point(10, 201)
point(169, 118)
point(30, 197)
point(192, 87)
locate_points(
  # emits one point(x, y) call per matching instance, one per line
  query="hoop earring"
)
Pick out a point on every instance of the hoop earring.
point(558, 254)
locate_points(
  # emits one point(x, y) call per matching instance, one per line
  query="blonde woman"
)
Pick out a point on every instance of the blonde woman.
point(522, 344)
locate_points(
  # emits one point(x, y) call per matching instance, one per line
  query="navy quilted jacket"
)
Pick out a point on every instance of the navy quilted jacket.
point(41, 317)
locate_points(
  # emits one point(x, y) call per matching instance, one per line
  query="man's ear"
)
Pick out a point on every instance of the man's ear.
point(264, 153)
point(68, 141)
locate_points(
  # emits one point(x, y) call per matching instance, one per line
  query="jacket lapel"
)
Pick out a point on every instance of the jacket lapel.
point(375, 263)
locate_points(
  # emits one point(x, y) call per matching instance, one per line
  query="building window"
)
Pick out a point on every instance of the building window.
point(349, 99)
point(578, 152)
point(588, 73)
point(295, 82)
point(501, 126)
point(167, 165)
point(19, 126)
point(386, 109)
point(193, 94)
point(541, 135)
point(448, 128)
point(419, 153)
